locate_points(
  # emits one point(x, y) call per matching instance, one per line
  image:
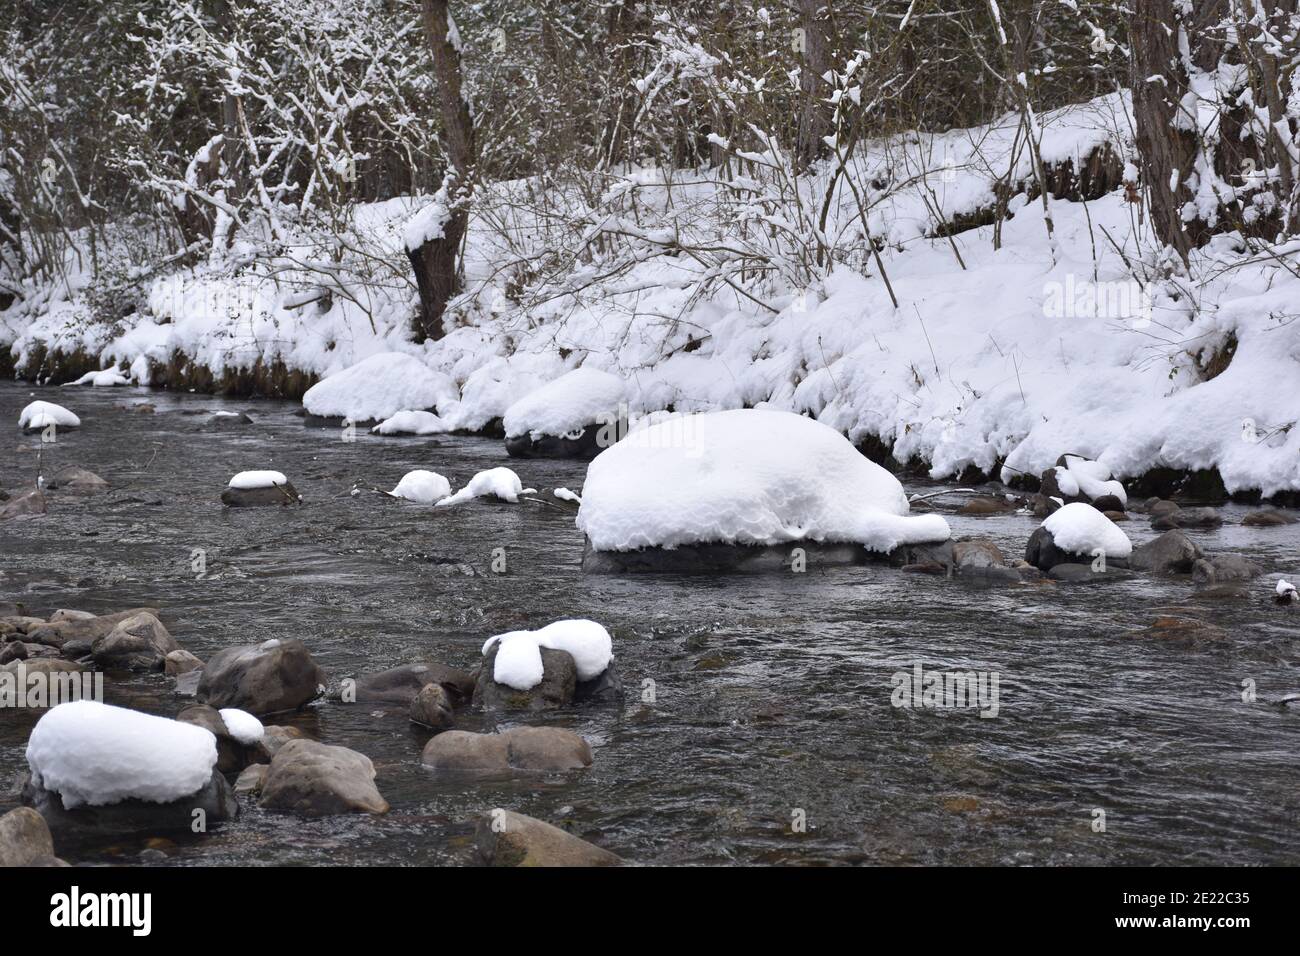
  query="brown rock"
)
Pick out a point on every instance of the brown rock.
point(506, 838)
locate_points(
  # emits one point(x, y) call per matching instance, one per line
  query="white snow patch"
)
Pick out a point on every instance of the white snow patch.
point(495, 482)
point(1091, 478)
point(379, 387)
point(105, 378)
point(408, 422)
point(242, 725)
point(564, 494)
point(585, 396)
point(425, 487)
point(1082, 529)
point(40, 414)
point(246, 480)
point(94, 754)
point(519, 659)
point(744, 477)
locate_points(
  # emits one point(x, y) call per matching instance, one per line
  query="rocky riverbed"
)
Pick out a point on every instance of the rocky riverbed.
point(758, 719)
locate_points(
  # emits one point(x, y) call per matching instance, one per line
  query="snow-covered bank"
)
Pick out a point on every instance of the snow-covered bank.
point(1087, 342)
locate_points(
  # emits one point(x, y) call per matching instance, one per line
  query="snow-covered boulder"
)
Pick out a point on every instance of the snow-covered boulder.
point(408, 422)
point(499, 483)
point(239, 735)
point(549, 667)
point(744, 478)
point(102, 767)
point(1075, 478)
point(566, 418)
point(379, 387)
point(38, 415)
point(425, 487)
point(105, 378)
point(266, 678)
point(1077, 534)
point(251, 489)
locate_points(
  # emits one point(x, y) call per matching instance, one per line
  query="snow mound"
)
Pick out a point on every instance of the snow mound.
point(1082, 529)
point(1089, 478)
point(41, 414)
point(106, 378)
point(94, 754)
point(242, 725)
point(379, 387)
point(519, 659)
point(426, 487)
point(567, 405)
point(744, 477)
point(407, 422)
point(494, 483)
point(246, 480)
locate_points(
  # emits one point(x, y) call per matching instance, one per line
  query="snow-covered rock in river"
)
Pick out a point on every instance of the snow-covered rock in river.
point(425, 487)
point(106, 378)
point(747, 478)
point(251, 489)
point(549, 667)
point(1075, 478)
point(239, 735)
point(38, 415)
point(500, 483)
point(102, 767)
point(408, 422)
point(1077, 533)
point(566, 418)
point(379, 387)
point(264, 678)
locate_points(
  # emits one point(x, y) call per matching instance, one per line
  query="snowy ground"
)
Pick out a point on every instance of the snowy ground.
point(1002, 359)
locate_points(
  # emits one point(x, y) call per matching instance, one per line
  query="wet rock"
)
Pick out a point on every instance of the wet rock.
point(139, 643)
point(232, 755)
point(432, 707)
point(1171, 553)
point(1108, 503)
point(1072, 573)
point(224, 420)
point(559, 680)
point(1041, 551)
point(251, 779)
point(1116, 515)
point(58, 633)
point(1159, 507)
point(520, 748)
point(1224, 568)
point(25, 505)
point(180, 662)
point(24, 837)
point(605, 688)
point(78, 481)
point(313, 779)
point(267, 678)
point(581, 445)
point(284, 494)
point(1042, 505)
point(1180, 630)
point(993, 575)
point(20, 651)
point(13, 626)
point(976, 553)
point(215, 799)
point(187, 684)
point(399, 685)
point(1268, 518)
point(65, 614)
point(1187, 518)
point(275, 736)
point(726, 558)
point(506, 838)
point(986, 505)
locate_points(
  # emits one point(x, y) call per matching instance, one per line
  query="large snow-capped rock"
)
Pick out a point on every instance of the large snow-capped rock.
point(378, 387)
point(501, 484)
point(93, 754)
point(748, 477)
point(563, 418)
point(518, 661)
point(38, 415)
point(1077, 533)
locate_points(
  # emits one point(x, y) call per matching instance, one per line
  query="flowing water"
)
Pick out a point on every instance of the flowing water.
point(771, 695)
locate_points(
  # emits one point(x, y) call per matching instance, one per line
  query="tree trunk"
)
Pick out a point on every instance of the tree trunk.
point(814, 124)
point(437, 276)
point(1167, 140)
